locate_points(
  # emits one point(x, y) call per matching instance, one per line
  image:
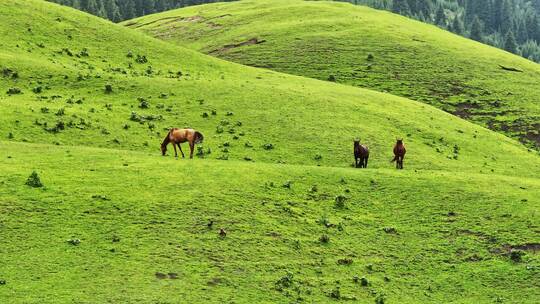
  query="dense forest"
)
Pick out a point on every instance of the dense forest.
point(513, 25)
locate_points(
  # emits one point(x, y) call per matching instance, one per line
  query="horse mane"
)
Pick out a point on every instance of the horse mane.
point(167, 138)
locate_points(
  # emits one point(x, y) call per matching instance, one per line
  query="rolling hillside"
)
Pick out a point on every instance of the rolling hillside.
point(85, 104)
point(366, 48)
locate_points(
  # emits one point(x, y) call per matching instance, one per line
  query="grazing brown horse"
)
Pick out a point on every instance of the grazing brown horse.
point(399, 154)
point(177, 136)
point(361, 155)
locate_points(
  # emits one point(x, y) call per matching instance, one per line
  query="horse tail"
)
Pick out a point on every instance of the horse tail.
point(198, 137)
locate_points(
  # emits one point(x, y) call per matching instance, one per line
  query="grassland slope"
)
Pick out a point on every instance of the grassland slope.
point(86, 81)
point(366, 48)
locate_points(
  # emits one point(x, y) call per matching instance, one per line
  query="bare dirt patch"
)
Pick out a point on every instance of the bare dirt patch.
point(228, 47)
point(463, 109)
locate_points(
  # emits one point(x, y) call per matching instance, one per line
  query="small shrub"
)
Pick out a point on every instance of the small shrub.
point(390, 230)
point(219, 129)
point(335, 293)
point(325, 239)
point(214, 112)
point(37, 90)
point(317, 156)
point(34, 181)
point(268, 146)
point(204, 115)
point(129, 54)
point(340, 201)
point(516, 255)
point(141, 59)
point(248, 144)
point(285, 281)
point(345, 261)
point(60, 112)
point(10, 135)
point(14, 91)
point(74, 242)
point(370, 57)
point(364, 281)
point(143, 103)
point(108, 88)
point(332, 78)
point(287, 184)
point(223, 157)
point(44, 110)
point(229, 114)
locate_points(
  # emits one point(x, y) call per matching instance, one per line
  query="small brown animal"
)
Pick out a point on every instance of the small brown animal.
point(361, 154)
point(222, 232)
point(399, 154)
point(177, 136)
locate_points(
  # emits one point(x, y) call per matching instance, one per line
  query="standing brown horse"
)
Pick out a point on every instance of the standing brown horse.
point(177, 136)
point(361, 155)
point(399, 154)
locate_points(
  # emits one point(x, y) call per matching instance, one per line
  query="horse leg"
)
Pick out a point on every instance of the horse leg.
point(191, 146)
point(365, 162)
point(180, 147)
point(175, 152)
point(355, 162)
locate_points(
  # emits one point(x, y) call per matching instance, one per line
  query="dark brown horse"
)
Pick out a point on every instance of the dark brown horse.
point(177, 136)
point(361, 155)
point(399, 154)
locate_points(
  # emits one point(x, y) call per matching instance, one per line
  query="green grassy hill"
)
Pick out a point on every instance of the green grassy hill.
point(366, 48)
point(116, 222)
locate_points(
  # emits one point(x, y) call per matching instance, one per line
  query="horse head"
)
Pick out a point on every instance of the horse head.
point(163, 149)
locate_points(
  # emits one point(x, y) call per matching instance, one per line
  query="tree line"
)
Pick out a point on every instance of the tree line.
point(512, 25)
point(119, 10)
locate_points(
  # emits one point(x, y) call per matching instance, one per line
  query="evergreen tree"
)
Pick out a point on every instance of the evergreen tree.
point(440, 18)
point(401, 7)
point(457, 26)
point(476, 29)
point(510, 43)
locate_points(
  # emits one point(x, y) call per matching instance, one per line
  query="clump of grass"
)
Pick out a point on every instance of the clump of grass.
point(14, 91)
point(141, 59)
point(317, 157)
point(285, 281)
point(332, 78)
point(335, 293)
point(268, 146)
point(340, 201)
point(108, 88)
point(390, 230)
point(325, 239)
point(345, 261)
point(74, 242)
point(143, 103)
point(516, 255)
point(34, 181)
